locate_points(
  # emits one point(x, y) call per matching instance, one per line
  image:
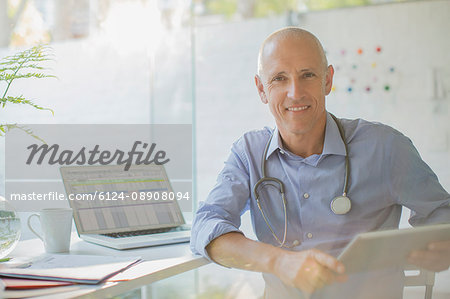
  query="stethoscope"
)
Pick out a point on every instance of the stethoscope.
point(340, 205)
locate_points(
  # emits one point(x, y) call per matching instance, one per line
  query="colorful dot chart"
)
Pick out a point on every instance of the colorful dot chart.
point(363, 70)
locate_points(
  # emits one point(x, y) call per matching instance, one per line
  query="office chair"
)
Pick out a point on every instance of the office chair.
point(423, 278)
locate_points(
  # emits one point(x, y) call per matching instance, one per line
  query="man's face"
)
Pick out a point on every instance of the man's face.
point(294, 82)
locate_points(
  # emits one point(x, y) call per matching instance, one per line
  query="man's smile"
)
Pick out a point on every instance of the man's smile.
point(298, 108)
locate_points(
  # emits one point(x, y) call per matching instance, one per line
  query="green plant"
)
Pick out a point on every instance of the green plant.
point(23, 65)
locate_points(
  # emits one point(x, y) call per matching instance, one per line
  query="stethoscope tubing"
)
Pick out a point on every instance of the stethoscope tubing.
point(280, 186)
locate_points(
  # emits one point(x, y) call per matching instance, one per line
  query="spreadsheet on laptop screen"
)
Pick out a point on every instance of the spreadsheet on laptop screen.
point(109, 199)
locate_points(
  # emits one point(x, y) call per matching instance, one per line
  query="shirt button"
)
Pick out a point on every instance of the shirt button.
point(282, 152)
point(306, 195)
point(309, 235)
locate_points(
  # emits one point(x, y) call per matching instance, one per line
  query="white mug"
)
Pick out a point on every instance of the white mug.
point(56, 226)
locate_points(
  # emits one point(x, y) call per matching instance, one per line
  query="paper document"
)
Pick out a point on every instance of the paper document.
point(46, 292)
point(25, 283)
point(88, 269)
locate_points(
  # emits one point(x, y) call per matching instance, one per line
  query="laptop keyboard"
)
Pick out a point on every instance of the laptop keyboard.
point(139, 232)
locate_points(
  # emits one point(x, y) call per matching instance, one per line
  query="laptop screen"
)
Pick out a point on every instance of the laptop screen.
point(108, 199)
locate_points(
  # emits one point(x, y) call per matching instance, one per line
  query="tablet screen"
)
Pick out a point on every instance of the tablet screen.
point(389, 248)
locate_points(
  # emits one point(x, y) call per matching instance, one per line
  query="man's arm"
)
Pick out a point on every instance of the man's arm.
point(216, 235)
point(307, 270)
point(417, 187)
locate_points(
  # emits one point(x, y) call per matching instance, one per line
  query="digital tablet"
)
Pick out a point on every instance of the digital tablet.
point(389, 248)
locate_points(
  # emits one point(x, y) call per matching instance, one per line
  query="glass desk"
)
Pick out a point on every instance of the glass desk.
point(209, 281)
point(214, 281)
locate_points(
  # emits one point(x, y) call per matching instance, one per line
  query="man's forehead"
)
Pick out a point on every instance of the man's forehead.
point(279, 52)
point(289, 44)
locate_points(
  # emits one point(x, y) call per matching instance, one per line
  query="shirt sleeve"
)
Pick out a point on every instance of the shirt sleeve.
point(415, 185)
point(227, 201)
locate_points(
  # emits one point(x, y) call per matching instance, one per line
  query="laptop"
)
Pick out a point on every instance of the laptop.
point(124, 209)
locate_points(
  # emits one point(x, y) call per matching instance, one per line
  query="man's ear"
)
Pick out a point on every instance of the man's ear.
point(260, 87)
point(329, 79)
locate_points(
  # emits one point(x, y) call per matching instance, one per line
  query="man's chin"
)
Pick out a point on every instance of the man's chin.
point(298, 130)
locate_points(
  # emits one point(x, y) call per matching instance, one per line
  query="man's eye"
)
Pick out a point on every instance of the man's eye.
point(278, 78)
point(309, 75)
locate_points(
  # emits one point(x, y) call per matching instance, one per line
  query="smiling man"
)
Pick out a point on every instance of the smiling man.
point(294, 179)
point(293, 79)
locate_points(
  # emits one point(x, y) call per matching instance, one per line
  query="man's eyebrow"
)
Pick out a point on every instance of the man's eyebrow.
point(277, 74)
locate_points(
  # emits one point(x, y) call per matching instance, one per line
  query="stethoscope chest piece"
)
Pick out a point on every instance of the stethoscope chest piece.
point(341, 205)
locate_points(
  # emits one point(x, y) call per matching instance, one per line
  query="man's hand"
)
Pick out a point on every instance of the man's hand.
point(308, 270)
point(436, 258)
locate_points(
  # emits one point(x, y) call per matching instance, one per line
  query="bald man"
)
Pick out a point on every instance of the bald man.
point(300, 234)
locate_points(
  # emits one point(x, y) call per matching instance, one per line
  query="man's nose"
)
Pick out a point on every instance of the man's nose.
point(295, 90)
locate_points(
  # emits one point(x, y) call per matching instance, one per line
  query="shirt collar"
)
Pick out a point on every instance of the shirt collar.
point(275, 142)
point(333, 143)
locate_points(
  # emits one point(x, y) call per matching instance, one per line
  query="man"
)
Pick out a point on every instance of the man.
point(300, 235)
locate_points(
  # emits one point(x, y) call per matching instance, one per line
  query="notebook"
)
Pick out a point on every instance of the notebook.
point(124, 209)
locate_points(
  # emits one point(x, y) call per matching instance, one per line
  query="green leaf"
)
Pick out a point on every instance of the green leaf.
point(8, 127)
point(22, 100)
point(23, 65)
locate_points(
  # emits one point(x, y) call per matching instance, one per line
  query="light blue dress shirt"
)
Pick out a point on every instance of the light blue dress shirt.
point(386, 173)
